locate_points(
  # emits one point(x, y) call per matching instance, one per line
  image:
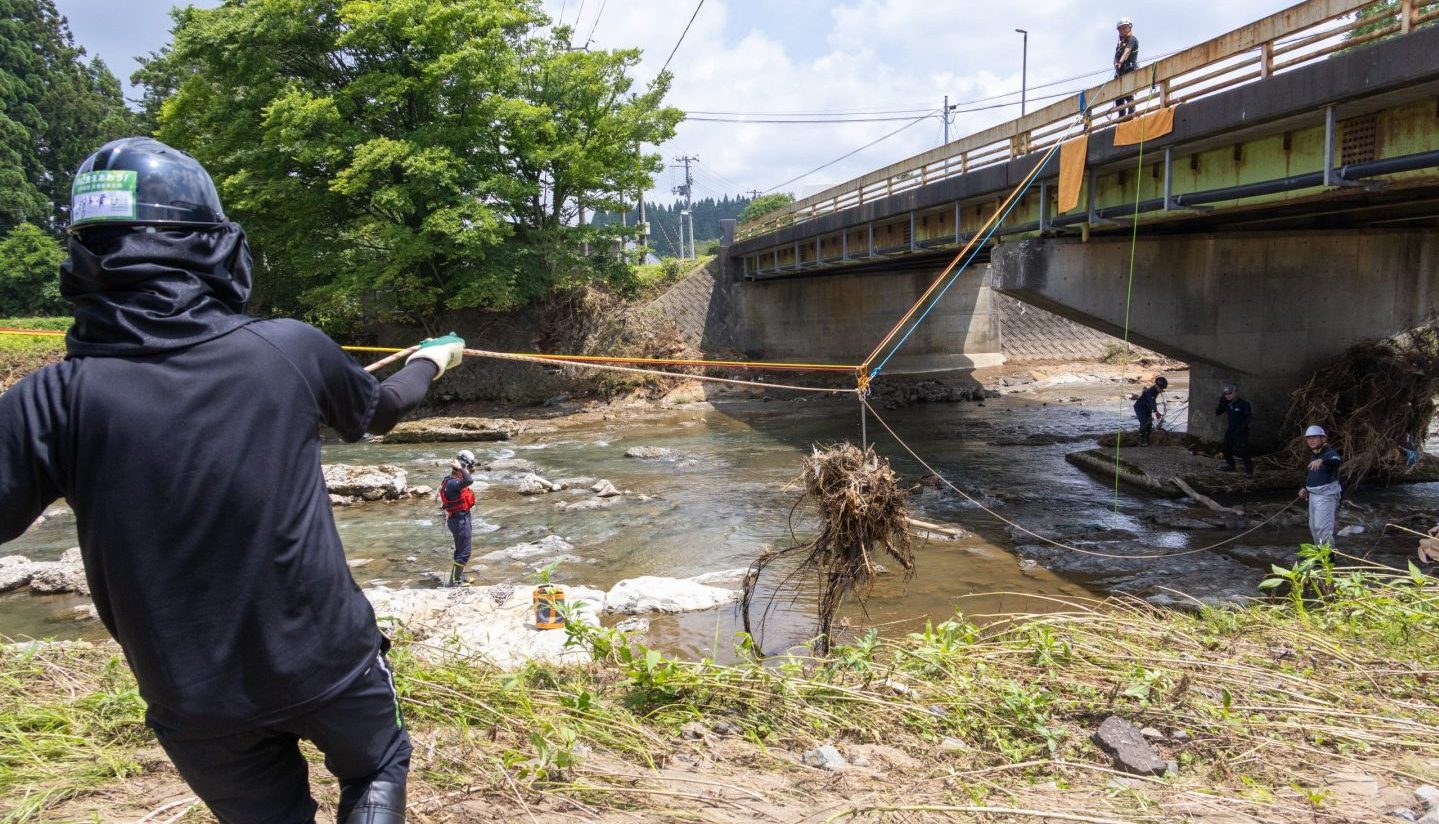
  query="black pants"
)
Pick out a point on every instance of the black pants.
point(1146, 426)
point(460, 527)
point(1236, 445)
point(260, 776)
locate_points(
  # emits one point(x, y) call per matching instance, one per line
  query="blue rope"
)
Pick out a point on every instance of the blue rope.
point(957, 272)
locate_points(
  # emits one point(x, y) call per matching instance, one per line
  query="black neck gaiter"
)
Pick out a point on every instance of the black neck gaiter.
point(138, 293)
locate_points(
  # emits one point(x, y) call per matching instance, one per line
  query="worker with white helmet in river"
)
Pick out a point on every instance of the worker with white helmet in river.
point(457, 499)
point(1321, 486)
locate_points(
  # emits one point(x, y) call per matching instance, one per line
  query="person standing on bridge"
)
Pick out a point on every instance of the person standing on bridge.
point(1321, 485)
point(1146, 408)
point(216, 564)
point(1126, 60)
point(1236, 430)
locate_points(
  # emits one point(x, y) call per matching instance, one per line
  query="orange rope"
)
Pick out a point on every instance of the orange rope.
point(1020, 187)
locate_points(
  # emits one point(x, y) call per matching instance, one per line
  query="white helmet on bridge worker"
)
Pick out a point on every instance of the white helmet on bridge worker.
point(1123, 21)
point(1315, 431)
point(465, 457)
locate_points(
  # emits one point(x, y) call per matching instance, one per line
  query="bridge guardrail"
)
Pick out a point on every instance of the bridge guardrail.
point(1290, 38)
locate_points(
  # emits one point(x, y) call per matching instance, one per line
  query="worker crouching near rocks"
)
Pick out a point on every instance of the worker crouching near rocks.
point(216, 565)
point(1146, 408)
point(1321, 486)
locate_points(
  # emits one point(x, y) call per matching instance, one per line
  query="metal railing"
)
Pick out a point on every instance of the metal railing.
point(1296, 36)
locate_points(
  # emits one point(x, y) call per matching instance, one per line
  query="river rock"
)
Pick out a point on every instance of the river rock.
point(385, 482)
point(439, 430)
point(1180, 580)
point(826, 757)
point(638, 626)
point(511, 465)
point(650, 593)
point(546, 546)
point(473, 622)
point(574, 483)
point(1126, 744)
point(605, 489)
point(15, 572)
point(534, 485)
point(649, 453)
point(587, 505)
point(64, 575)
point(736, 574)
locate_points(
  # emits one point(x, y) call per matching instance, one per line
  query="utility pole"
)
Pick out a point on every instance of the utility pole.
point(944, 115)
point(687, 214)
point(754, 194)
point(1023, 72)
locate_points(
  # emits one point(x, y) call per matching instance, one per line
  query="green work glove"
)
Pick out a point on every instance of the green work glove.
point(444, 352)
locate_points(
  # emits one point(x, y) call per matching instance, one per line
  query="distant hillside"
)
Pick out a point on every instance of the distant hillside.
point(664, 221)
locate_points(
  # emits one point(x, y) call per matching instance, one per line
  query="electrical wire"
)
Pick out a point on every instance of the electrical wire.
point(850, 154)
point(596, 24)
point(698, 6)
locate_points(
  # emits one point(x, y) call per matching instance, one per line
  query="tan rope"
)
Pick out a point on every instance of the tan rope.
point(552, 361)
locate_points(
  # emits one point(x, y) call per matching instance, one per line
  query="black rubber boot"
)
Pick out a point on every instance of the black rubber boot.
point(371, 802)
point(457, 575)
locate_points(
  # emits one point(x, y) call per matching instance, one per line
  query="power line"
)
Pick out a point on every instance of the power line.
point(929, 113)
point(914, 110)
point(698, 6)
point(596, 24)
point(851, 154)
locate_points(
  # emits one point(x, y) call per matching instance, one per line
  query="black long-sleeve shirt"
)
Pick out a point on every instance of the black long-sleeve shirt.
point(1241, 414)
point(204, 521)
point(1328, 471)
point(1147, 404)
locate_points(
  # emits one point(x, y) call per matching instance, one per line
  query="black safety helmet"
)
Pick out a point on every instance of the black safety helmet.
point(1161, 382)
point(139, 181)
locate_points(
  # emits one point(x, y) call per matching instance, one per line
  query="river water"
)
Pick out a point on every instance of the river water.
point(722, 497)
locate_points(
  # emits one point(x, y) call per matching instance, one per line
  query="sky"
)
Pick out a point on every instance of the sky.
point(749, 58)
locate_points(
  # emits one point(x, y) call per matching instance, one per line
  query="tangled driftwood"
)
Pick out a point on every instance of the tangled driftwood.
point(863, 511)
point(1373, 400)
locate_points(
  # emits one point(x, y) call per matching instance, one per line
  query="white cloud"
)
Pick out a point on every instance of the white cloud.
point(868, 55)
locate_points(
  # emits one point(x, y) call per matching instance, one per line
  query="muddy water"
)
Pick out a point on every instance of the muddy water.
point(721, 498)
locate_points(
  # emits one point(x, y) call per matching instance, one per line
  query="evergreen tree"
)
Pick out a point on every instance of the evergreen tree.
point(664, 220)
point(57, 108)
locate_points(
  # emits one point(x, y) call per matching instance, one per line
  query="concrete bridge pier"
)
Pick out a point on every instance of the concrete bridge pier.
point(1260, 310)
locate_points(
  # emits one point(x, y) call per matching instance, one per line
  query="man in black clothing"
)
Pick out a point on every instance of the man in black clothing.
point(1126, 60)
point(1146, 408)
point(216, 566)
point(458, 499)
point(1236, 430)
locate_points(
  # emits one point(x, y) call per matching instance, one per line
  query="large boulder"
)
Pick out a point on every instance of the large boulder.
point(15, 572)
point(385, 482)
point(64, 575)
point(447, 430)
point(533, 484)
point(495, 624)
point(651, 593)
point(649, 453)
point(547, 547)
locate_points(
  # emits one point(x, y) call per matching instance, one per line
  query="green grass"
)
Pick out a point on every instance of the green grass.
point(20, 355)
point(1335, 674)
point(653, 277)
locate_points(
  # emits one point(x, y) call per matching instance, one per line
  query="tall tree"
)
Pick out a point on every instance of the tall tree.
point(57, 108)
point(395, 158)
point(29, 267)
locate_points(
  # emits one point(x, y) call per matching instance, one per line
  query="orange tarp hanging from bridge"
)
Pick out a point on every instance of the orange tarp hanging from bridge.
point(1071, 171)
point(1144, 128)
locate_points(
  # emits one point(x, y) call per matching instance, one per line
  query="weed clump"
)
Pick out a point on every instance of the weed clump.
point(863, 510)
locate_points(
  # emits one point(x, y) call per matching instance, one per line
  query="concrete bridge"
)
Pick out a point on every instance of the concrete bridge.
point(1290, 212)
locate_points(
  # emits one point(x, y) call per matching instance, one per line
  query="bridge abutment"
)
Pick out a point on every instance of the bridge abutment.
point(1261, 310)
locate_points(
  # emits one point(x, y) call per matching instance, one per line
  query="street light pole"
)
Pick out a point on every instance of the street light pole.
point(1023, 72)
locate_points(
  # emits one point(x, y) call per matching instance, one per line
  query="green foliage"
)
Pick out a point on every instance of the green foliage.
point(392, 160)
point(664, 220)
point(30, 272)
point(764, 204)
point(57, 108)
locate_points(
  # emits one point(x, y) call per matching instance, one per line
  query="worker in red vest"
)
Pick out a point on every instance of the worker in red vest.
point(458, 499)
